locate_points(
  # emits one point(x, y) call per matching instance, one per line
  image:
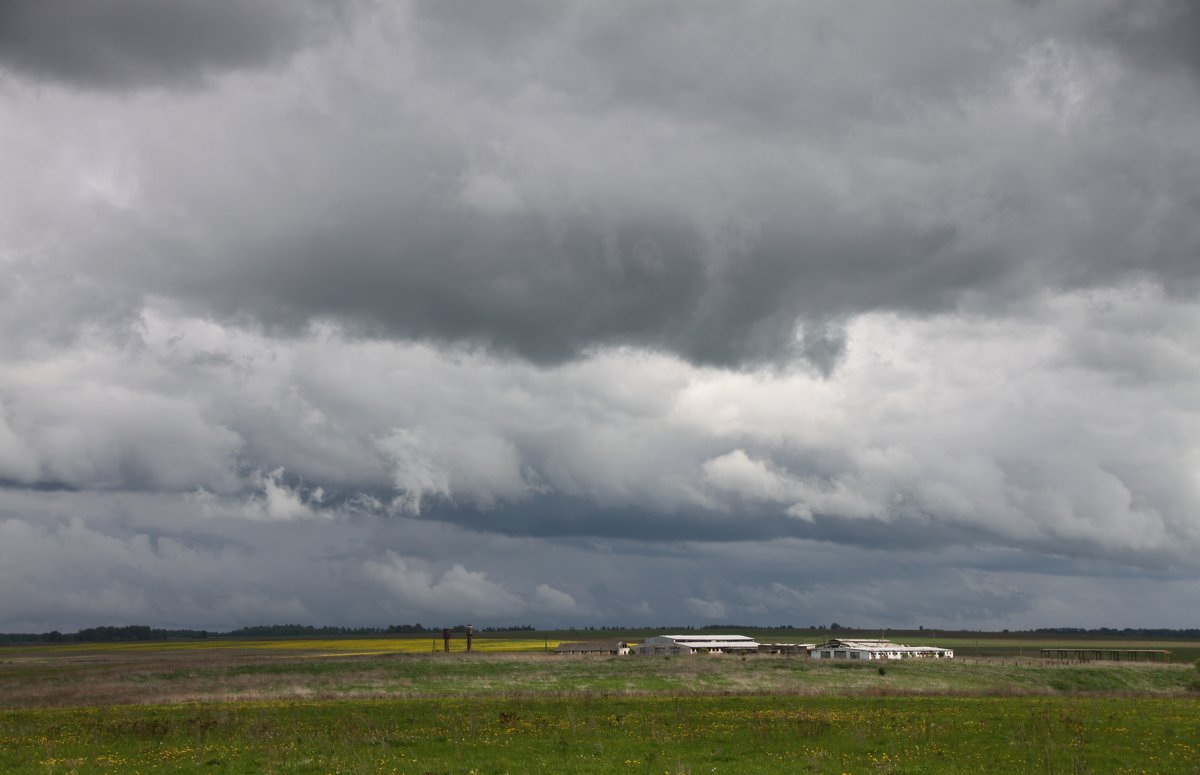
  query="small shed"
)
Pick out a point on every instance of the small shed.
point(613, 647)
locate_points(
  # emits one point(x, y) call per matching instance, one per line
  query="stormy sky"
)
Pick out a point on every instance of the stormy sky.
point(584, 312)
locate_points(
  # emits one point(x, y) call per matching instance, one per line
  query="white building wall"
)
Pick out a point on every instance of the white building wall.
point(691, 644)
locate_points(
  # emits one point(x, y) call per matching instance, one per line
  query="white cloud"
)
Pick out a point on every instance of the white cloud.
point(480, 468)
point(456, 591)
point(708, 610)
point(282, 502)
point(414, 475)
point(555, 601)
point(1016, 431)
point(736, 472)
point(112, 435)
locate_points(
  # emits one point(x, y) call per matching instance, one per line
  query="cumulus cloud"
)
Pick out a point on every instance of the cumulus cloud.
point(479, 467)
point(107, 436)
point(275, 499)
point(914, 431)
point(454, 591)
point(554, 601)
point(756, 480)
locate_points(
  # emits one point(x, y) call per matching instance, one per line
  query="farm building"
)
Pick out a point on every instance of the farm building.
point(786, 648)
point(614, 647)
point(698, 644)
point(877, 649)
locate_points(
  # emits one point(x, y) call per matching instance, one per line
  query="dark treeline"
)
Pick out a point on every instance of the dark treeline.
point(1127, 632)
point(514, 628)
point(137, 632)
point(132, 633)
point(143, 633)
point(285, 630)
point(754, 627)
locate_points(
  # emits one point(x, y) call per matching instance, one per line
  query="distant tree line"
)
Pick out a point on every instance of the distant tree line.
point(137, 632)
point(286, 630)
point(751, 627)
point(513, 628)
point(133, 633)
point(1127, 632)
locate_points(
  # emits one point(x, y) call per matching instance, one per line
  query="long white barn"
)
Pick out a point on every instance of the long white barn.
point(698, 644)
point(877, 649)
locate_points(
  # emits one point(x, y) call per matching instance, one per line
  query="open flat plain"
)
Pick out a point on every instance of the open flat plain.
point(387, 705)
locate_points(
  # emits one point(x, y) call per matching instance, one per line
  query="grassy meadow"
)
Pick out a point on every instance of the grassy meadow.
point(382, 705)
point(614, 734)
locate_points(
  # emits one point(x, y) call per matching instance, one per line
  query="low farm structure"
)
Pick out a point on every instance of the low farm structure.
point(612, 647)
point(698, 644)
point(802, 649)
point(877, 649)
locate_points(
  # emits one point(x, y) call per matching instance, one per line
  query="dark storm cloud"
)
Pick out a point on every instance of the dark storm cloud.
point(549, 517)
point(127, 44)
point(549, 288)
point(728, 185)
point(523, 285)
point(1163, 35)
point(193, 564)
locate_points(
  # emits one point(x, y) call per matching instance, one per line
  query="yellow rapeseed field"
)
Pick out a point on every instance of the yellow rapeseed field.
point(321, 646)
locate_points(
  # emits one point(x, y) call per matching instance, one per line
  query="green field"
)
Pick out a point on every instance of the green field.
point(615, 734)
point(381, 705)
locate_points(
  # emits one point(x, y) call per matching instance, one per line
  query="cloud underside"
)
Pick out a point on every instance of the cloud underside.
point(522, 309)
point(594, 178)
point(624, 457)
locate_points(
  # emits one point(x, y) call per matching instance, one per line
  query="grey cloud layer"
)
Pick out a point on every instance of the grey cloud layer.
point(1045, 433)
point(129, 44)
point(729, 185)
point(141, 558)
point(1162, 35)
point(784, 311)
